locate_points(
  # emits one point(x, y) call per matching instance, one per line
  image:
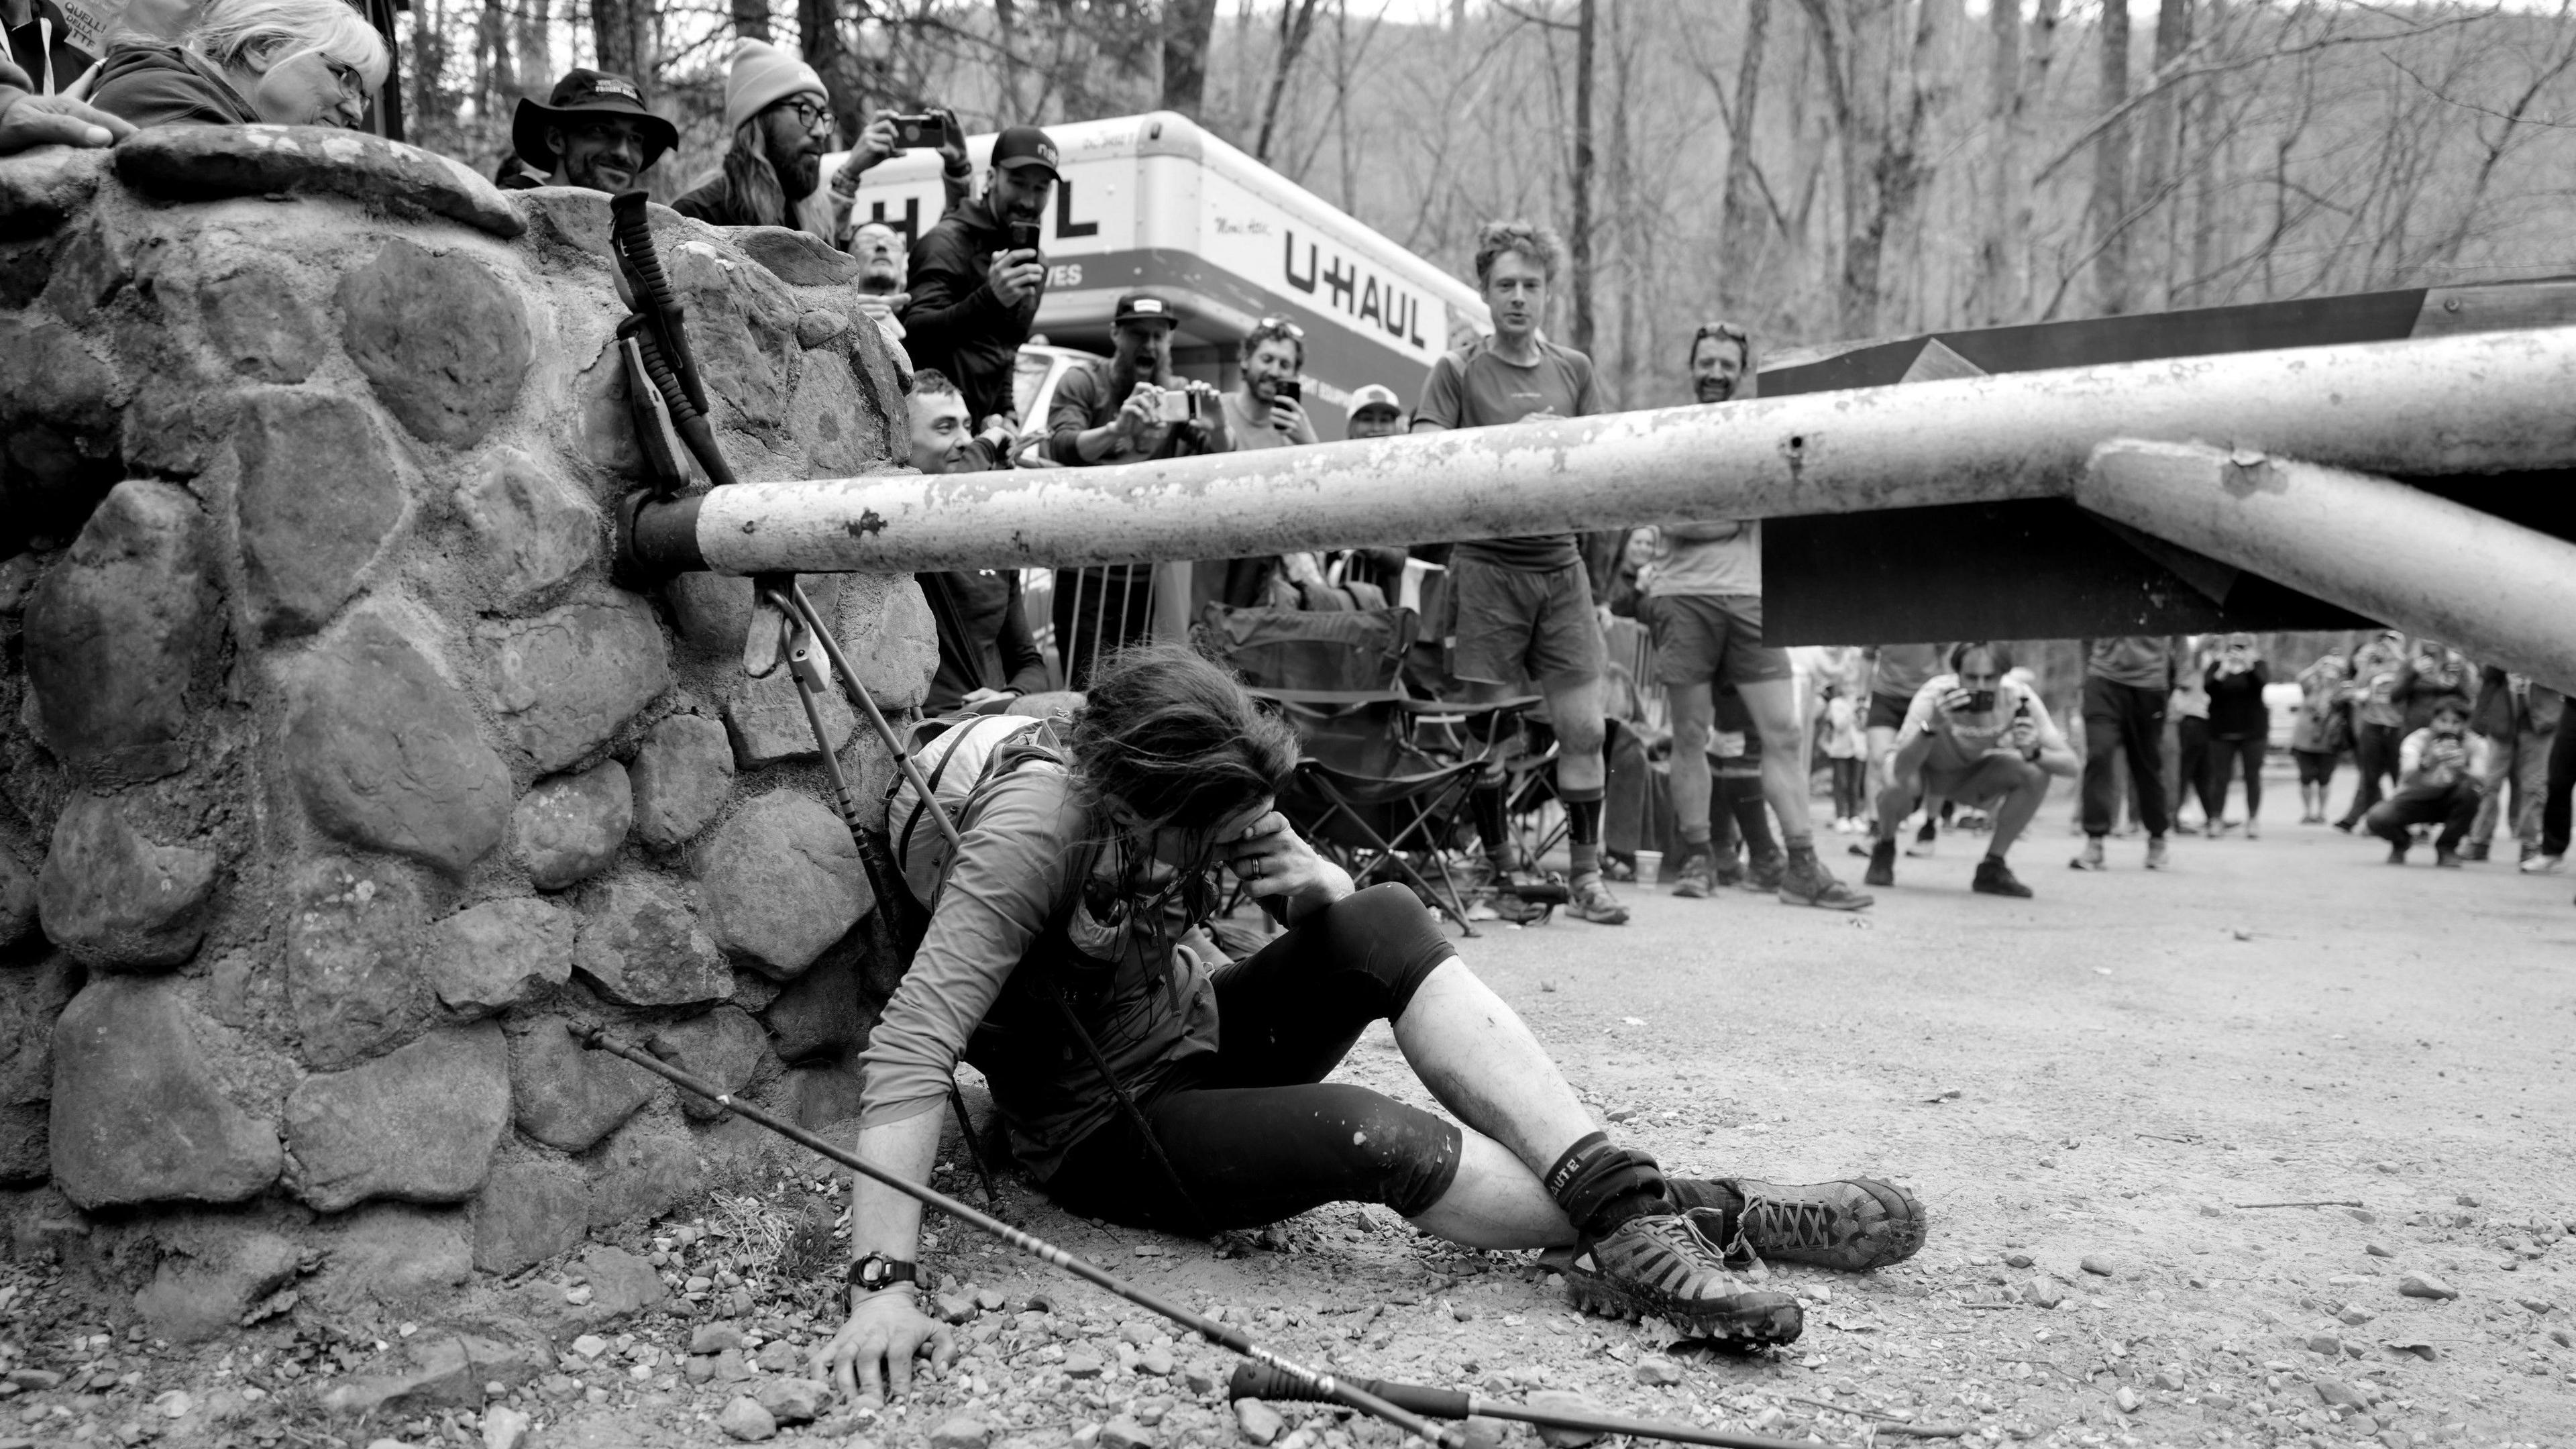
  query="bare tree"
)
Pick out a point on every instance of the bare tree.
point(1866, 67)
point(1189, 27)
point(1579, 264)
point(2110, 208)
point(751, 19)
point(1999, 244)
point(1744, 207)
point(1296, 27)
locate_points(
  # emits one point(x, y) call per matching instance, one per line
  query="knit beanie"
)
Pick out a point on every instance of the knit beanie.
point(761, 77)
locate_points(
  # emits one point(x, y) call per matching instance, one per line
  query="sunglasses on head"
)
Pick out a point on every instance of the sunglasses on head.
point(1282, 327)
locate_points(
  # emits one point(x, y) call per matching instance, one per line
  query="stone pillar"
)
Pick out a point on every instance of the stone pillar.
point(339, 774)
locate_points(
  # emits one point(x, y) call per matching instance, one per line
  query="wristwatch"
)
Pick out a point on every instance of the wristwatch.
point(876, 1271)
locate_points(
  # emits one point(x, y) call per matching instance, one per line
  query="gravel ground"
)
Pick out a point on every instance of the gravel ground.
point(2087, 1090)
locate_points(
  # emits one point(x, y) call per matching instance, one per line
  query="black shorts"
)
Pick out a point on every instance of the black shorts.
point(2316, 767)
point(1887, 711)
point(1254, 1133)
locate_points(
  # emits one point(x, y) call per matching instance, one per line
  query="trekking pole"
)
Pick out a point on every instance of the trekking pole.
point(1322, 1387)
point(796, 606)
point(1252, 1381)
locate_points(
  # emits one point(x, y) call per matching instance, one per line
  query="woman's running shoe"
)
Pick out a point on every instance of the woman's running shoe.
point(1854, 1224)
point(1661, 1265)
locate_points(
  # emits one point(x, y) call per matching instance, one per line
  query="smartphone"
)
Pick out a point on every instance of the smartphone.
point(919, 132)
point(1981, 701)
point(1289, 388)
point(1176, 405)
point(1024, 236)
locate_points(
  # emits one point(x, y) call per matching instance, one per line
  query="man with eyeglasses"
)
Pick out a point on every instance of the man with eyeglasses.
point(593, 132)
point(780, 118)
point(1523, 609)
point(1704, 604)
point(976, 287)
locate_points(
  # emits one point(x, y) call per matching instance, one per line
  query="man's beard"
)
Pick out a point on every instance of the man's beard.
point(1716, 390)
point(802, 173)
point(880, 279)
point(1125, 373)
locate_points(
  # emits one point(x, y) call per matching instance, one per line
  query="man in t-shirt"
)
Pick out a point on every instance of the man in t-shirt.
point(1974, 735)
point(2127, 681)
point(1704, 603)
point(1521, 608)
point(1265, 412)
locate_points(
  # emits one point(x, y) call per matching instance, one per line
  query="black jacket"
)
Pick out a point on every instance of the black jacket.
point(955, 324)
point(162, 85)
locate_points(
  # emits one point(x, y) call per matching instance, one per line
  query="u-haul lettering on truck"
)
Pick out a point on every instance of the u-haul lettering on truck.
point(1353, 290)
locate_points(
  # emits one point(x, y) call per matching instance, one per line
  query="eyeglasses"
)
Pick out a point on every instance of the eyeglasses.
point(1282, 327)
point(812, 115)
point(352, 82)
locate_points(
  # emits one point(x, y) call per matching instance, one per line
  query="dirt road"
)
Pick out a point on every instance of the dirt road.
point(2084, 1089)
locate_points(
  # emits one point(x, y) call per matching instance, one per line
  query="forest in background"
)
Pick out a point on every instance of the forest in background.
point(1818, 169)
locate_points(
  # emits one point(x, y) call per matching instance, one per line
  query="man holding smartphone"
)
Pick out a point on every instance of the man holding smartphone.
point(977, 276)
point(1267, 411)
point(2438, 770)
point(1977, 736)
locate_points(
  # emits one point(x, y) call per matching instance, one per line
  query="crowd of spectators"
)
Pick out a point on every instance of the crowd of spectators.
point(2442, 750)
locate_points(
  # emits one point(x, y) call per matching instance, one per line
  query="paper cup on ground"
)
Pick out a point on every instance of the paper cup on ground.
point(1650, 867)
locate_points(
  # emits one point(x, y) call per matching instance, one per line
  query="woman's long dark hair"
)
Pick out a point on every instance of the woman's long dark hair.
point(1175, 739)
point(751, 194)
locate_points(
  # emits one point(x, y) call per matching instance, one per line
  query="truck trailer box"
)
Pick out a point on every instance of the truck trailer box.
point(1154, 201)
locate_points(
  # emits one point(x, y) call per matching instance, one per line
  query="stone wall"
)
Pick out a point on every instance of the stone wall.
point(339, 776)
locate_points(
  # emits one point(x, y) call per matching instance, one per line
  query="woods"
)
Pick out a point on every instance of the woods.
point(1819, 169)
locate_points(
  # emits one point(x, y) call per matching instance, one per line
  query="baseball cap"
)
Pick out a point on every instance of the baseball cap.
point(1375, 395)
point(1143, 307)
point(1021, 147)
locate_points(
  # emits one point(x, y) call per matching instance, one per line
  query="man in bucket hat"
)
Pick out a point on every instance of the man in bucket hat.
point(593, 132)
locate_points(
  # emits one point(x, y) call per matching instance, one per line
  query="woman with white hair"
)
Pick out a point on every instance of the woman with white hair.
point(284, 62)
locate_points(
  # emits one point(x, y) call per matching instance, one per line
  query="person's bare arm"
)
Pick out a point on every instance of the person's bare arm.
point(872, 1356)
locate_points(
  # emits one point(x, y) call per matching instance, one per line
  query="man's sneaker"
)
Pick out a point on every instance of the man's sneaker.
point(2446, 858)
point(2157, 856)
point(1660, 1265)
point(1806, 882)
point(1697, 877)
point(1591, 901)
point(1764, 873)
point(2092, 858)
point(1882, 865)
point(1855, 1224)
point(2397, 850)
point(1994, 878)
point(2474, 850)
point(2543, 864)
point(1924, 840)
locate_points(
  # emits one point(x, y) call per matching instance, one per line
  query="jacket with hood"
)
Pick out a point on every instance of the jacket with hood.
point(955, 324)
point(162, 85)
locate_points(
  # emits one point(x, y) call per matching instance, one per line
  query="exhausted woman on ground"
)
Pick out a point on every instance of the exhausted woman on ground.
point(283, 62)
point(1053, 964)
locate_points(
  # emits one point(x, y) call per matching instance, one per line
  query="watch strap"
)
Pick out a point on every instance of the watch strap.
point(895, 1271)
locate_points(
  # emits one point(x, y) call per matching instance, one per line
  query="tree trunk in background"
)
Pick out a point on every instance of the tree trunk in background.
point(536, 50)
point(1580, 268)
point(1296, 26)
point(1882, 174)
point(620, 32)
point(1742, 220)
point(429, 107)
point(818, 28)
point(2110, 207)
point(2201, 131)
point(751, 20)
point(2163, 142)
point(1623, 217)
point(1188, 27)
point(2043, 56)
point(1995, 291)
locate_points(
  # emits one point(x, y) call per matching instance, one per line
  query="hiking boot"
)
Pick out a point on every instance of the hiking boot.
point(1660, 1265)
point(2542, 864)
point(1994, 878)
point(1924, 840)
point(1764, 873)
point(1697, 877)
point(2397, 849)
point(1591, 901)
point(1806, 882)
point(2474, 850)
point(1730, 868)
point(1882, 865)
point(1855, 1224)
point(2157, 857)
point(2092, 858)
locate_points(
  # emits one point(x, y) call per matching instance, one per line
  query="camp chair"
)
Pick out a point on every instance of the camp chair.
point(1366, 794)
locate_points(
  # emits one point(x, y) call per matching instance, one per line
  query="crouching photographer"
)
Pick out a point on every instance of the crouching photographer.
point(2438, 769)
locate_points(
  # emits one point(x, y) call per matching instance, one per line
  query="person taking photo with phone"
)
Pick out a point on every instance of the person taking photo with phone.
point(1126, 408)
point(977, 276)
point(1977, 736)
point(2438, 769)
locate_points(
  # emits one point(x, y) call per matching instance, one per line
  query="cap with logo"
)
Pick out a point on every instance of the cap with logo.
point(587, 94)
point(1375, 395)
point(1022, 148)
point(1143, 307)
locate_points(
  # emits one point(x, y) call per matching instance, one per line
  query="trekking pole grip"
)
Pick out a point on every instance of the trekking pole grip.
point(1255, 1380)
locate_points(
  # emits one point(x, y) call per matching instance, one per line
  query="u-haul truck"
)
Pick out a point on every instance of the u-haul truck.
point(1154, 201)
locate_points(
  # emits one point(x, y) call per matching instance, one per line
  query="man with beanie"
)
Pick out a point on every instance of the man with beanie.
point(974, 294)
point(780, 119)
point(593, 132)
